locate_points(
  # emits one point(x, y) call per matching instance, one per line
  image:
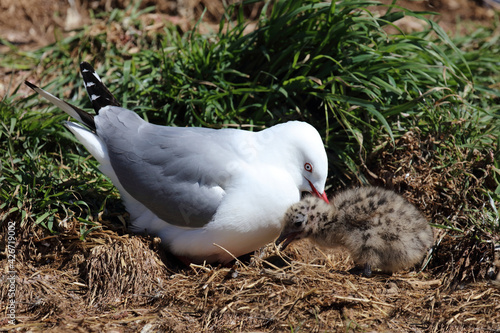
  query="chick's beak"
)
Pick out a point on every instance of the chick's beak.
point(316, 193)
point(286, 238)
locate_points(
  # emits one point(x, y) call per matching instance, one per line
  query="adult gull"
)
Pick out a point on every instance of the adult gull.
point(209, 194)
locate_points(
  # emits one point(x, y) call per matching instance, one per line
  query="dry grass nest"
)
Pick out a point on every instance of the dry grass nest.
point(125, 284)
point(115, 281)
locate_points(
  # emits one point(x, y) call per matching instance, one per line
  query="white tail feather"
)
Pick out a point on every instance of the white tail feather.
point(90, 140)
point(66, 107)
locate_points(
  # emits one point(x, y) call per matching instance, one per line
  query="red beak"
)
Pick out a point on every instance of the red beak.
point(316, 193)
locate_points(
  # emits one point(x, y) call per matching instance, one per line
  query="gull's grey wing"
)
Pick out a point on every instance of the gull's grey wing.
point(179, 173)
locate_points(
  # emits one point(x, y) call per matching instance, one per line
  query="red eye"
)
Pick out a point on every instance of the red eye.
point(308, 167)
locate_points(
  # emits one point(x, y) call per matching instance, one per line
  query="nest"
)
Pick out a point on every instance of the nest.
point(124, 271)
point(122, 282)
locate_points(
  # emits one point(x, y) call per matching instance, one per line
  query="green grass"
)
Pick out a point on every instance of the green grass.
point(333, 65)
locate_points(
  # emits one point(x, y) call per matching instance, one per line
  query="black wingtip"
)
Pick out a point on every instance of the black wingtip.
point(99, 95)
point(86, 117)
point(31, 85)
point(86, 65)
point(70, 109)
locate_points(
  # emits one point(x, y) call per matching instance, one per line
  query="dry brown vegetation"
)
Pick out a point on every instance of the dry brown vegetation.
point(113, 281)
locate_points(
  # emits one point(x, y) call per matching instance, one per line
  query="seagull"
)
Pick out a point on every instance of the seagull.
point(377, 227)
point(210, 195)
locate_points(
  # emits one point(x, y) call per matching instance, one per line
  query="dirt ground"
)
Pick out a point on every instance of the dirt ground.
point(116, 282)
point(33, 24)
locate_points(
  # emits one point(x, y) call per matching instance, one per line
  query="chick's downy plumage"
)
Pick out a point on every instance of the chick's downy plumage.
point(379, 228)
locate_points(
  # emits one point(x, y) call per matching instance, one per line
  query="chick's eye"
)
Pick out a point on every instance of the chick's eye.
point(308, 167)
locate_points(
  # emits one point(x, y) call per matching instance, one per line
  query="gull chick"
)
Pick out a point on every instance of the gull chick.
point(379, 228)
point(208, 194)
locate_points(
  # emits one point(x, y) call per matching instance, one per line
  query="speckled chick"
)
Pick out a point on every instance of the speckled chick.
point(379, 228)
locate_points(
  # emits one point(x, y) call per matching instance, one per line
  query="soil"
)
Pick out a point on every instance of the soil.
point(114, 281)
point(32, 24)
